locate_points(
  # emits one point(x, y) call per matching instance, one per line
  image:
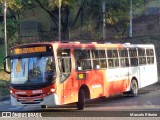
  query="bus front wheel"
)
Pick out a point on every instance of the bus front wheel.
point(134, 88)
point(81, 100)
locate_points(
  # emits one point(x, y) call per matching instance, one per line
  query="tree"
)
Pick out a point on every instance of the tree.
point(16, 8)
point(52, 7)
point(117, 13)
point(10, 4)
point(13, 6)
point(89, 11)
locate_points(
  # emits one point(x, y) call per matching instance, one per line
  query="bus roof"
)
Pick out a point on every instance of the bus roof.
point(87, 45)
point(103, 45)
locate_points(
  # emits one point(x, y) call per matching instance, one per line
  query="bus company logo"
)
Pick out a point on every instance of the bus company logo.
point(6, 114)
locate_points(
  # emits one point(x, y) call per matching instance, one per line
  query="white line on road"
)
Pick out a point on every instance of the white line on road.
point(149, 104)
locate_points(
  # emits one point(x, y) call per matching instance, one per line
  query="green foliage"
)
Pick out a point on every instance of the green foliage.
point(4, 88)
point(12, 28)
point(117, 13)
point(13, 8)
point(12, 4)
point(57, 3)
point(1, 56)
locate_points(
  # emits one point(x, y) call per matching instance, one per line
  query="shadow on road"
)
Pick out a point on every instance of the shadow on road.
point(100, 102)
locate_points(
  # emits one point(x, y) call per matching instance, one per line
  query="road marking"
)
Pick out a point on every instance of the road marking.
point(149, 105)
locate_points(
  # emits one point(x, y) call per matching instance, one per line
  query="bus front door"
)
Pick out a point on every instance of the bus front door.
point(64, 64)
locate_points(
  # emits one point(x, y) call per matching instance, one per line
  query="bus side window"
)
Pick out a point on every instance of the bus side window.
point(64, 63)
point(142, 56)
point(110, 63)
point(82, 59)
point(102, 59)
point(99, 59)
point(123, 54)
point(134, 61)
point(113, 58)
point(78, 59)
point(133, 56)
point(150, 56)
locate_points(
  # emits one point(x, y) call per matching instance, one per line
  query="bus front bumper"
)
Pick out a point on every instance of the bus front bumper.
point(51, 100)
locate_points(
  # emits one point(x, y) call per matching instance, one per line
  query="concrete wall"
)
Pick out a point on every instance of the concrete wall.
point(151, 6)
point(146, 25)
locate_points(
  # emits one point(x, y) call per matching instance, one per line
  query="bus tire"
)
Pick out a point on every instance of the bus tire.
point(134, 88)
point(43, 106)
point(81, 100)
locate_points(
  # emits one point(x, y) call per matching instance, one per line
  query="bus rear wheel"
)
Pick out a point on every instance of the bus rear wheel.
point(133, 91)
point(134, 88)
point(81, 100)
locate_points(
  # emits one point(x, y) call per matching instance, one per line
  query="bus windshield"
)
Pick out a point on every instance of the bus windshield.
point(33, 70)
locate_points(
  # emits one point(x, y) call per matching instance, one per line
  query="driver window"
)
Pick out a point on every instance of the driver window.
point(64, 63)
point(50, 69)
point(50, 65)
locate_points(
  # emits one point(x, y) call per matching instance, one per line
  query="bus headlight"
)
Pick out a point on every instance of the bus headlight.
point(53, 90)
point(11, 91)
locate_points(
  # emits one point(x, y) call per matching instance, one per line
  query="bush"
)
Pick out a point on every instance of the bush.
point(1, 56)
point(4, 77)
point(4, 88)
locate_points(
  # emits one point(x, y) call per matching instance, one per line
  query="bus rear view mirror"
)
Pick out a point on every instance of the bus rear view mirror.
point(6, 68)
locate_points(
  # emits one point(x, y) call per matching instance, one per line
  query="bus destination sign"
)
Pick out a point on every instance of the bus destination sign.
point(38, 49)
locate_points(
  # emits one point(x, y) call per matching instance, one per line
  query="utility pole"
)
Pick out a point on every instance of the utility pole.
point(5, 32)
point(59, 22)
point(131, 18)
point(104, 19)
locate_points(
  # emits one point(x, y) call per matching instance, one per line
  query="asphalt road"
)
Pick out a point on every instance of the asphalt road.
point(147, 103)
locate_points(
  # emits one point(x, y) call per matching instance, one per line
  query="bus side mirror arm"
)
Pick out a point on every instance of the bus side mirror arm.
point(5, 65)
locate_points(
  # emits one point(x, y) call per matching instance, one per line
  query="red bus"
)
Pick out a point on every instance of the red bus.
point(55, 73)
